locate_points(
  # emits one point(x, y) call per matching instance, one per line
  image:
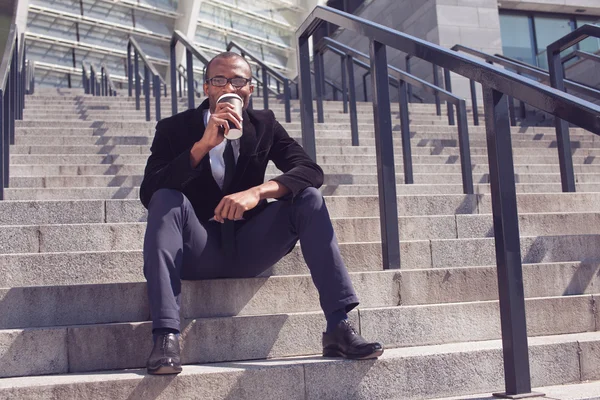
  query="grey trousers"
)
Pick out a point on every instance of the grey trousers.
point(178, 246)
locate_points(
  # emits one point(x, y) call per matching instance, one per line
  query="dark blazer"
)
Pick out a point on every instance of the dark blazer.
point(264, 139)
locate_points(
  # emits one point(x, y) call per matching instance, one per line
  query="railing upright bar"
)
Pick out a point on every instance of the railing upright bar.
point(129, 71)
point(511, 111)
point(136, 73)
point(157, 88)
point(405, 130)
point(147, 92)
point(344, 84)
point(287, 97)
point(507, 242)
point(190, 78)
point(352, 97)
point(563, 140)
point(13, 94)
point(448, 86)
point(265, 79)
point(319, 89)
point(6, 134)
point(384, 146)
point(173, 72)
point(474, 104)
point(307, 121)
point(436, 82)
point(408, 85)
point(464, 148)
point(364, 79)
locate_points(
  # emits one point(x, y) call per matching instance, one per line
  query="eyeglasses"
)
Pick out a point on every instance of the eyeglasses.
point(220, 81)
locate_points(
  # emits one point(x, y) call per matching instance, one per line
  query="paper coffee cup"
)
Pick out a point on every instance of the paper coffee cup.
point(232, 98)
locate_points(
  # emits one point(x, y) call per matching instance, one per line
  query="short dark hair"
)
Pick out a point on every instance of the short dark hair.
point(224, 56)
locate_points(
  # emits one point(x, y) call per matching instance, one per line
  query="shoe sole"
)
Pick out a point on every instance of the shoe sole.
point(169, 369)
point(334, 353)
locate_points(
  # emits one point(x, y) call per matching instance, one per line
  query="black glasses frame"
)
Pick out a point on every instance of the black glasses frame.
point(229, 80)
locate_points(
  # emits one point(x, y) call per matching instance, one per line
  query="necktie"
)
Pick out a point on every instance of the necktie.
point(228, 227)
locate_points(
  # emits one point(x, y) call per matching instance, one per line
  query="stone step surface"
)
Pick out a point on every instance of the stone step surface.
point(48, 306)
point(554, 360)
point(70, 268)
point(126, 345)
point(129, 236)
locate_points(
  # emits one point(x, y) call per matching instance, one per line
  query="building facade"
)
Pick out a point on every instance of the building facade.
point(519, 29)
point(63, 33)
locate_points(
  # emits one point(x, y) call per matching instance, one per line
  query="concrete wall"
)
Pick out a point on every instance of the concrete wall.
point(474, 23)
point(415, 17)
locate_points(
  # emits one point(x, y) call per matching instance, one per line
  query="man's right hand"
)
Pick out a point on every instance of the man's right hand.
point(215, 131)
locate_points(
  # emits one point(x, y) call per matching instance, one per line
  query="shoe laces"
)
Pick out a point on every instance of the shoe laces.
point(350, 327)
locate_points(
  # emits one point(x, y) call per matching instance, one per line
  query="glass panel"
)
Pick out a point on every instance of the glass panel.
point(591, 45)
point(548, 30)
point(516, 37)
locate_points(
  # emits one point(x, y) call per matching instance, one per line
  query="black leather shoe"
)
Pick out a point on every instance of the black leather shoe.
point(165, 358)
point(345, 342)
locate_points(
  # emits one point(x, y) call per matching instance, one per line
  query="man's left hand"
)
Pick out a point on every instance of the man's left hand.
point(233, 206)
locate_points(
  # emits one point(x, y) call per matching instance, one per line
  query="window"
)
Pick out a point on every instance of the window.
point(591, 45)
point(525, 36)
point(517, 42)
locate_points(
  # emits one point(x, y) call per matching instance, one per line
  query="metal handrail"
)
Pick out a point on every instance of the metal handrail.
point(581, 54)
point(151, 75)
point(497, 84)
point(557, 80)
point(12, 85)
point(527, 70)
point(108, 88)
point(266, 71)
point(182, 73)
point(95, 88)
point(21, 76)
point(403, 79)
point(190, 50)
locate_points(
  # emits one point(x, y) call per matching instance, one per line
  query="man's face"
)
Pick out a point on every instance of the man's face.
point(234, 67)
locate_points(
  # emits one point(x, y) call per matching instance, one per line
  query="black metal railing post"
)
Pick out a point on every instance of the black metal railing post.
point(92, 81)
point(319, 89)
point(287, 98)
point(436, 82)
point(405, 131)
point(307, 121)
point(173, 73)
point(129, 71)
point(6, 133)
point(147, 92)
point(364, 79)
point(508, 251)
point(265, 79)
point(384, 147)
point(474, 104)
point(136, 73)
point(408, 85)
point(511, 111)
point(190, 78)
point(448, 86)
point(157, 87)
point(464, 148)
point(344, 84)
point(352, 98)
point(557, 81)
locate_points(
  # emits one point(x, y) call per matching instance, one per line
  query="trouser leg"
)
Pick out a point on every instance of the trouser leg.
point(174, 238)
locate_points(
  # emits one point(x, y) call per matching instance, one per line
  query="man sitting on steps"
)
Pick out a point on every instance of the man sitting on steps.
point(208, 216)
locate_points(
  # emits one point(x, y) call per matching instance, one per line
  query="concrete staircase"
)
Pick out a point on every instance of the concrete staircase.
point(74, 315)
